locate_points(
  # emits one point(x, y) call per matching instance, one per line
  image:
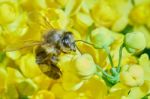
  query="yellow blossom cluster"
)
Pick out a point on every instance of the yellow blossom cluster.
point(112, 58)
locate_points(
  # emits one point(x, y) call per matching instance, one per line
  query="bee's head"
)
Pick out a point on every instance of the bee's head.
point(66, 42)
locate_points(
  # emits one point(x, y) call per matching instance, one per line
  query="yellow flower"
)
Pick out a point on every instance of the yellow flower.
point(90, 87)
point(90, 20)
point(8, 12)
point(132, 75)
point(18, 27)
point(79, 68)
point(94, 88)
point(139, 92)
point(140, 13)
point(70, 80)
point(103, 14)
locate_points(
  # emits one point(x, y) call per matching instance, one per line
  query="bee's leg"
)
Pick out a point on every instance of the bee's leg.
point(54, 56)
point(54, 59)
point(40, 56)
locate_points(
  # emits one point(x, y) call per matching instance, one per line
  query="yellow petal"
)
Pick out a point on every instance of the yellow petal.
point(27, 87)
point(94, 89)
point(15, 74)
point(145, 63)
point(28, 66)
point(3, 79)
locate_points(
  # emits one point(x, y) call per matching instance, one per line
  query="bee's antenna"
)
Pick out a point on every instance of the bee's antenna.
point(78, 49)
point(80, 41)
point(85, 43)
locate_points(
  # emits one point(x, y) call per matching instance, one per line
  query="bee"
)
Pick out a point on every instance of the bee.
point(54, 43)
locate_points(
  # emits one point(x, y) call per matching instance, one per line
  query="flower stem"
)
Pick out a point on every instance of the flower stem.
point(104, 73)
point(109, 56)
point(120, 57)
point(133, 2)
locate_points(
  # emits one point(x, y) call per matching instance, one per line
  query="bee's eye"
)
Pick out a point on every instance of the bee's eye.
point(66, 42)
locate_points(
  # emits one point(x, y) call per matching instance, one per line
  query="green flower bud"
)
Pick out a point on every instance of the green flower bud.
point(8, 12)
point(84, 66)
point(101, 37)
point(135, 42)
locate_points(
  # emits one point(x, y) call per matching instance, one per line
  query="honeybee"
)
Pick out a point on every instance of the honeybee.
point(47, 51)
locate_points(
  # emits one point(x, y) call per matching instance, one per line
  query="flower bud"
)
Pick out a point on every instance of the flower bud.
point(132, 76)
point(84, 66)
point(8, 12)
point(101, 37)
point(135, 42)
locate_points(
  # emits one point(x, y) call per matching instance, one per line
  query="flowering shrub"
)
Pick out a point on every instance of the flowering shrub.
point(111, 61)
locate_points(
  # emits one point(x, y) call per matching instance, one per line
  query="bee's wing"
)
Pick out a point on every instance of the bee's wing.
point(21, 45)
